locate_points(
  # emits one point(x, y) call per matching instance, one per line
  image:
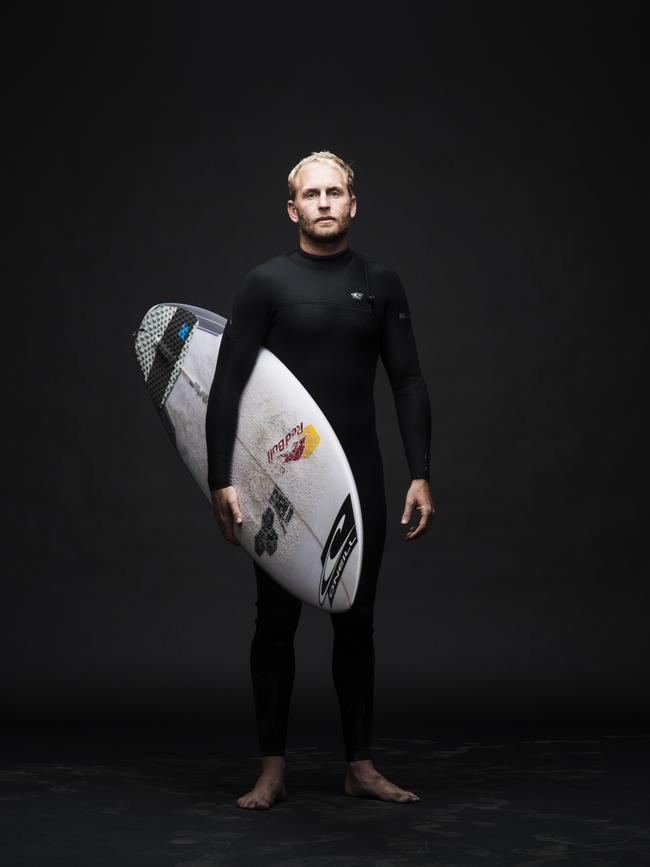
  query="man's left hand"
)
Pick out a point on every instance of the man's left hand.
point(418, 497)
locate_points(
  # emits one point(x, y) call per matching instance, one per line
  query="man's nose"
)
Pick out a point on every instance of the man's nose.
point(324, 201)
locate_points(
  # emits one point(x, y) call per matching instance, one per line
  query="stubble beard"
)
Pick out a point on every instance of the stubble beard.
point(327, 236)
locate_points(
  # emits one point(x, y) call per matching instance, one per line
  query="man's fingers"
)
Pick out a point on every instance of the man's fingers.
point(408, 509)
point(229, 532)
point(235, 510)
point(224, 524)
point(227, 512)
point(423, 524)
point(235, 517)
point(418, 496)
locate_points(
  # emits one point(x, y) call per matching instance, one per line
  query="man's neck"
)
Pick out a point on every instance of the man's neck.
point(307, 245)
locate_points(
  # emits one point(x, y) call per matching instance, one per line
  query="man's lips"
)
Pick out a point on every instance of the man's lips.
point(324, 219)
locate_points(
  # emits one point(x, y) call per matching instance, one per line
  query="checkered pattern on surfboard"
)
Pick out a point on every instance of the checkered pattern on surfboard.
point(149, 333)
point(170, 352)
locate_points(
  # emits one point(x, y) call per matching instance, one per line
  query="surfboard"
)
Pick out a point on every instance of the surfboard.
point(301, 513)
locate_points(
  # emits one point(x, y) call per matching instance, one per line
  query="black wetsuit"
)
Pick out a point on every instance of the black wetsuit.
point(328, 319)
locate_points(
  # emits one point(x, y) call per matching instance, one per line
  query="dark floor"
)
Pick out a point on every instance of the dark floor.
point(525, 799)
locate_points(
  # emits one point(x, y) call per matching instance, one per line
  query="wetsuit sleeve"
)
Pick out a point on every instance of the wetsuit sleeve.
point(400, 358)
point(242, 338)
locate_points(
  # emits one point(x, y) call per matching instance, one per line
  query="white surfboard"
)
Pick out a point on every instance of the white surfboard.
point(302, 516)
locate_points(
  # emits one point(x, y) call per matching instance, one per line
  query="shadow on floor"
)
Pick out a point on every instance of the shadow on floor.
point(95, 799)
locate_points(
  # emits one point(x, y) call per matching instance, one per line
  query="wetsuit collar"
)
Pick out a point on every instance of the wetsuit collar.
point(309, 260)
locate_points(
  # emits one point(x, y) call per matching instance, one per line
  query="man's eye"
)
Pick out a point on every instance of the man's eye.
point(335, 192)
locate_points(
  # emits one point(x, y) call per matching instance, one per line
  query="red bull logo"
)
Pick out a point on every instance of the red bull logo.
point(298, 443)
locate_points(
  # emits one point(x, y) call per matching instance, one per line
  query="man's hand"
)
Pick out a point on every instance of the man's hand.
point(418, 496)
point(225, 506)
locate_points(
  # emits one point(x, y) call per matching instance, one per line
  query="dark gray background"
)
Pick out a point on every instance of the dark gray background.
point(497, 155)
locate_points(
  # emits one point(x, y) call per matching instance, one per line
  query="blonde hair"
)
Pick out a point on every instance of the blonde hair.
point(323, 156)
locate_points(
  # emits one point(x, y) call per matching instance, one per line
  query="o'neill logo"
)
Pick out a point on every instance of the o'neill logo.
point(340, 542)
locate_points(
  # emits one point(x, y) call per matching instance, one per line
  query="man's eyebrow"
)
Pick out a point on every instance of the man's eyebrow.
point(315, 189)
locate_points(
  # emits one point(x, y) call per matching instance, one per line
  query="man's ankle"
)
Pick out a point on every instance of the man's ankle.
point(273, 763)
point(360, 765)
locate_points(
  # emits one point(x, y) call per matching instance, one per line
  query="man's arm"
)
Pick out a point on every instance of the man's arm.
point(400, 358)
point(242, 338)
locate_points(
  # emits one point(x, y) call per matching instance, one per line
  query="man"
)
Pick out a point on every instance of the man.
point(328, 315)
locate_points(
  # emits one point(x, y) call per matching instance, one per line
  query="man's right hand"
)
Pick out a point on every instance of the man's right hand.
point(225, 506)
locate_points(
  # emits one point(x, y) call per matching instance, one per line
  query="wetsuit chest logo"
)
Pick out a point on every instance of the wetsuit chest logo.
point(360, 296)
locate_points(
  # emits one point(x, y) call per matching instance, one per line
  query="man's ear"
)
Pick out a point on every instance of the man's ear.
point(293, 213)
point(353, 206)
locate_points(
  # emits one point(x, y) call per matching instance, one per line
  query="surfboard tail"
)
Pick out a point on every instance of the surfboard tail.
point(160, 346)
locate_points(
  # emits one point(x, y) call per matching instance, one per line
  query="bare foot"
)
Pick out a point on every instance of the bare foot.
point(269, 788)
point(363, 780)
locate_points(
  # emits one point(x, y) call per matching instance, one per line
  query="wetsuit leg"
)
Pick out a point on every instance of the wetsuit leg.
point(272, 661)
point(353, 657)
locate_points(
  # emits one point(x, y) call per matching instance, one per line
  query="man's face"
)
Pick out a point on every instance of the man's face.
point(323, 206)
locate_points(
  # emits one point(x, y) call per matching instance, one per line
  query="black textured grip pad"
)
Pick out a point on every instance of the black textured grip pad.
point(168, 352)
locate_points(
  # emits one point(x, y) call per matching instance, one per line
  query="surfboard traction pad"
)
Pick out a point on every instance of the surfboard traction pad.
point(161, 345)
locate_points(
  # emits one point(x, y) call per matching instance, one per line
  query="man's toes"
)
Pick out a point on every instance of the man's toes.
point(253, 804)
point(252, 801)
point(403, 795)
point(247, 802)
